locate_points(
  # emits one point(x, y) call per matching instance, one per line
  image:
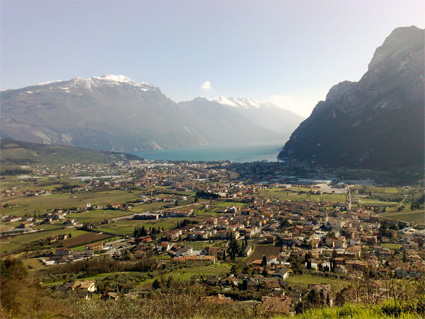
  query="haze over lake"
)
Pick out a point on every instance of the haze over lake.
point(247, 152)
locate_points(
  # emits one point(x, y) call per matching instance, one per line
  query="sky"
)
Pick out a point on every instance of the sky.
point(287, 52)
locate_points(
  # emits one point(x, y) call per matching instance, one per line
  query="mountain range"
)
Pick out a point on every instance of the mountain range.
point(377, 122)
point(114, 113)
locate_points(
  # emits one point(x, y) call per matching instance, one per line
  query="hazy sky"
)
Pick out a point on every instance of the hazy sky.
point(290, 52)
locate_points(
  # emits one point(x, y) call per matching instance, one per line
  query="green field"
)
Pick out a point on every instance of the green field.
point(122, 227)
point(187, 273)
point(417, 216)
point(392, 246)
point(12, 243)
point(10, 182)
point(230, 204)
point(376, 202)
point(39, 204)
point(167, 223)
point(386, 190)
point(49, 226)
point(126, 227)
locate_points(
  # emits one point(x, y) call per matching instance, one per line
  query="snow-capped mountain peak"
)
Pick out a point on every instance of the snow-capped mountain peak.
point(245, 103)
point(115, 78)
point(107, 79)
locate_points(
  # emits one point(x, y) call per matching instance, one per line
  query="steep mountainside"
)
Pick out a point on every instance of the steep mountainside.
point(377, 122)
point(114, 113)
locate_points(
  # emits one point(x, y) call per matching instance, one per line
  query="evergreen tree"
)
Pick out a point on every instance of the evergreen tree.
point(264, 262)
point(233, 249)
point(333, 262)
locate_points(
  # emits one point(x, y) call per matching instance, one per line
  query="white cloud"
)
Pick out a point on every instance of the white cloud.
point(206, 86)
point(301, 106)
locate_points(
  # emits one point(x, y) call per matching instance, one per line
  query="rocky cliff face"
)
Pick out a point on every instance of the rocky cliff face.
point(377, 122)
point(114, 113)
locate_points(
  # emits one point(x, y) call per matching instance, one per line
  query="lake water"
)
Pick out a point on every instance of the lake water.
point(248, 152)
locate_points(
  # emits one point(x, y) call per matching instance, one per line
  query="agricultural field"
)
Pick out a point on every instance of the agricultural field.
point(377, 202)
point(12, 243)
point(33, 263)
point(261, 250)
point(126, 227)
point(167, 223)
point(218, 269)
point(49, 226)
point(39, 204)
point(23, 184)
point(392, 245)
point(230, 204)
point(87, 238)
point(417, 216)
point(122, 227)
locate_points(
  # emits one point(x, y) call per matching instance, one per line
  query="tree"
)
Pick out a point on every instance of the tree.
point(264, 261)
point(235, 269)
point(285, 223)
point(404, 259)
point(308, 260)
point(233, 249)
point(156, 284)
point(333, 261)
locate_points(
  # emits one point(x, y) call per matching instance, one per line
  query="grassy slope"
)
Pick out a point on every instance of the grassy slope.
point(417, 216)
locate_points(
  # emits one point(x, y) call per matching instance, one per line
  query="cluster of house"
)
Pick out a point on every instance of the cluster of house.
point(355, 237)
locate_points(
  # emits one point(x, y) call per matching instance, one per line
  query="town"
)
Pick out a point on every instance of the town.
point(251, 233)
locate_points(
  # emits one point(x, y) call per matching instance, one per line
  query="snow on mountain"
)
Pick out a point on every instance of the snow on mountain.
point(240, 102)
point(115, 78)
point(95, 81)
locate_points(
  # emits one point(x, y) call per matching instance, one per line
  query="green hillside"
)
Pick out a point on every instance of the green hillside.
point(16, 153)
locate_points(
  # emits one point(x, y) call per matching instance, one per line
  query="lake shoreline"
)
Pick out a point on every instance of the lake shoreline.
point(240, 153)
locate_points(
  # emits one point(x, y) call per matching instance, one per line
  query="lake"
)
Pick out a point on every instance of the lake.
point(247, 152)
